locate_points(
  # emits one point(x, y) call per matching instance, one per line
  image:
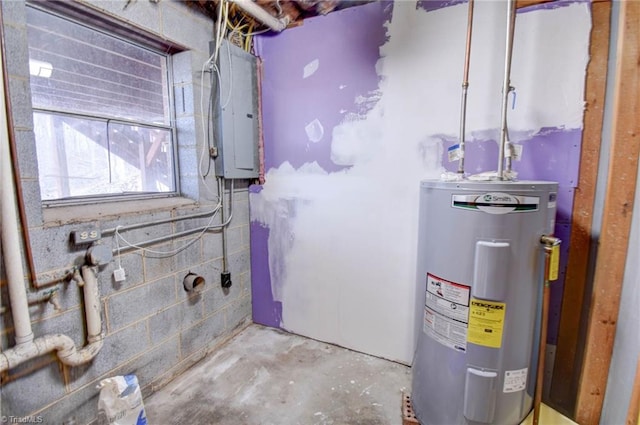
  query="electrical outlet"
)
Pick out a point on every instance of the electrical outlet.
point(225, 279)
point(85, 236)
point(119, 275)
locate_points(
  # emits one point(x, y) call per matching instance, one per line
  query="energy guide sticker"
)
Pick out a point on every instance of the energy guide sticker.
point(486, 323)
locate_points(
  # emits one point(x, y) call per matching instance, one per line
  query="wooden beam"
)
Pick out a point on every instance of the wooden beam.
point(616, 222)
point(633, 414)
point(562, 393)
point(527, 3)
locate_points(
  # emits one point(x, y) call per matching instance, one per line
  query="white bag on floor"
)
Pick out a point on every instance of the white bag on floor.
point(121, 401)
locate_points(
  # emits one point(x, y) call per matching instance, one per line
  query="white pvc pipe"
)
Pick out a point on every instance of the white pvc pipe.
point(10, 235)
point(262, 15)
point(26, 347)
point(92, 304)
point(61, 344)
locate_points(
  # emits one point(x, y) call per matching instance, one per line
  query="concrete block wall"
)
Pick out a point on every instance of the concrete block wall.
point(152, 326)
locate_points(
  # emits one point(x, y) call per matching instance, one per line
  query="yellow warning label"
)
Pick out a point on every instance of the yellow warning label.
point(486, 321)
point(555, 263)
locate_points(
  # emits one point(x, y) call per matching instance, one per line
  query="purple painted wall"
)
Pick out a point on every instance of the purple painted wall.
point(266, 310)
point(431, 5)
point(346, 45)
point(347, 55)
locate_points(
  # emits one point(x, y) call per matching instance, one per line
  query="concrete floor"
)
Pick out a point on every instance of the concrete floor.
point(268, 377)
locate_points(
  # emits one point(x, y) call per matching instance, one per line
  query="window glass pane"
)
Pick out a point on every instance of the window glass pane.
point(84, 157)
point(73, 156)
point(77, 69)
point(141, 158)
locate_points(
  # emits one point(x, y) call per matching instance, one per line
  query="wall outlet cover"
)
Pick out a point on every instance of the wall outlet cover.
point(119, 275)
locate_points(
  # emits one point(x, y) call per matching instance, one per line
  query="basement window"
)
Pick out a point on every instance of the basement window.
point(102, 113)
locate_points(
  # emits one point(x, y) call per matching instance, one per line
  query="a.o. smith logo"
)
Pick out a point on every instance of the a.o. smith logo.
point(501, 198)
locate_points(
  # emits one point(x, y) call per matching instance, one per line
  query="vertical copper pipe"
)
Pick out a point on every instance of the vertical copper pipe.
point(465, 87)
point(26, 240)
point(633, 414)
point(546, 295)
point(467, 55)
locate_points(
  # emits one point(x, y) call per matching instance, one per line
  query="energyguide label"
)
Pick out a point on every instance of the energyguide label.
point(486, 322)
point(446, 312)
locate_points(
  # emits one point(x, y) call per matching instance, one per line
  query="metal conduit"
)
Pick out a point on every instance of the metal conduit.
point(178, 234)
point(161, 221)
point(225, 261)
point(506, 86)
point(465, 87)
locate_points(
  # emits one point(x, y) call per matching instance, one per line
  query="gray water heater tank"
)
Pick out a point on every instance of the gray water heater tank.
point(478, 292)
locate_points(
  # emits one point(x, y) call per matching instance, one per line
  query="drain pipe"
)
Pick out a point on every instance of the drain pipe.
point(250, 7)
point(63, 345)
point(91, 305)
point(506, 87)
point(465, 87)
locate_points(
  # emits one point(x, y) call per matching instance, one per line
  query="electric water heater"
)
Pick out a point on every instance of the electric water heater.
point(479, 291)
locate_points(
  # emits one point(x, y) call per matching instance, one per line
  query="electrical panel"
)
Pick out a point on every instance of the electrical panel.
point(234, 101)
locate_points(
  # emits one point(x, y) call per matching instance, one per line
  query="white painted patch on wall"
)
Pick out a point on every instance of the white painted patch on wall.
point(548, 92)
point(342, 246)
point(310, 68)
point(314, 130)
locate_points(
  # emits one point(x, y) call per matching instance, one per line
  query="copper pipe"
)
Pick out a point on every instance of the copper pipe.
point(465, 87)
point(16, 169)
point(549, 242)
point(467, 53)
point(543, 336)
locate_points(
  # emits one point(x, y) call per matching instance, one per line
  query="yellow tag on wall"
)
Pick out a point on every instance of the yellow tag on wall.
point(486, 322)
point(555, 263)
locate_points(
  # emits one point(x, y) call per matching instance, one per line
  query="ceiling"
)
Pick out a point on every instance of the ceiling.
point(295, 10)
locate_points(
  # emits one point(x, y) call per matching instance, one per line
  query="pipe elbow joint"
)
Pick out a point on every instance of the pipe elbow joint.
point(92, 339)
point(78, 277)
point(4, 363)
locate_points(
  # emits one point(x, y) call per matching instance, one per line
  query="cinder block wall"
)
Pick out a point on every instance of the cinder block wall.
point(153, 327)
